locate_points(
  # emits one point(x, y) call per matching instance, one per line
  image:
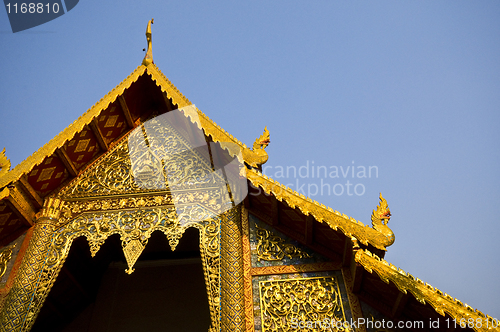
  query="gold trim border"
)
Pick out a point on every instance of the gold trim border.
point(299, 268)
point(337, 221)
point(356, 311)
point(247, 272)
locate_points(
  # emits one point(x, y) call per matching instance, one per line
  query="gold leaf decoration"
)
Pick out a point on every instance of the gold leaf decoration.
point(271, 247)
point(5, 256)
point(132, 251)
point(287, 303)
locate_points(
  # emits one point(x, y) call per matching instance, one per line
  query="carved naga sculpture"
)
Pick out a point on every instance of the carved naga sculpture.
point(258, 156)
point(380, 219)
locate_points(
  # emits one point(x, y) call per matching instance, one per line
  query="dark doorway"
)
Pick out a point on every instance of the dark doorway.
point(166, 292)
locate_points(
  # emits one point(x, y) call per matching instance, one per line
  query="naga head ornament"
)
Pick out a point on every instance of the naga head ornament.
point(382, 214)
point(263, 141)
point(258, 156)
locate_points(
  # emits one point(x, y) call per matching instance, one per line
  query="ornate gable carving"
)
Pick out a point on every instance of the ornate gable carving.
point(154, 157)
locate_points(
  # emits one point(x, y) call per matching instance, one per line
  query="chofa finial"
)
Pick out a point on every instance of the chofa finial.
point(382, 214)
point(380, 218)
point(148, 58)
point(257, 156)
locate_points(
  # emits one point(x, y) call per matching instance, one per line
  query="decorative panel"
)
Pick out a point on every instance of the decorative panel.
point(154, 157)
point(269, 247)
point(282, 302)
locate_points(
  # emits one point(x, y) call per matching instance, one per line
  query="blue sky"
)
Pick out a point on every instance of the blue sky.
point(412, 88)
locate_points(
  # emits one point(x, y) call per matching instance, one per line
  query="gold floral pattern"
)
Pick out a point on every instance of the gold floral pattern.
point(287, 302)
point(271, 247)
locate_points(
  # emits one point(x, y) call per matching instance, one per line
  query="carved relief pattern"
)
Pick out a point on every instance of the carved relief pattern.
point(50, 249)
point(209, 197)
point(18, 311)
point(273, 248)
point(300, 300)
point(154, 157)
point(185, 164)
point(110, 176)
point(97, 227)
point(233, 300)
point(247, 272)
point(132, 225)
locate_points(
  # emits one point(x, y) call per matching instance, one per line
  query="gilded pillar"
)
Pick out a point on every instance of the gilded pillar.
point(29, 290)
point(232, 292)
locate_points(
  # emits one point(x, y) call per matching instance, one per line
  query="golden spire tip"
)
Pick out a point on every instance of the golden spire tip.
point(148, 58)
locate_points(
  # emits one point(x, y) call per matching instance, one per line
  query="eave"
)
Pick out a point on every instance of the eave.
point(425, 294)
point(388, 288)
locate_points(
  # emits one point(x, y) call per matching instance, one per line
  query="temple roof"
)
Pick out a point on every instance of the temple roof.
point(146, 92)
point(83, 141)
point(106, 103)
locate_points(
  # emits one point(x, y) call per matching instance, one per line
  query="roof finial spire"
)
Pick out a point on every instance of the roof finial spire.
point(148, 58)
